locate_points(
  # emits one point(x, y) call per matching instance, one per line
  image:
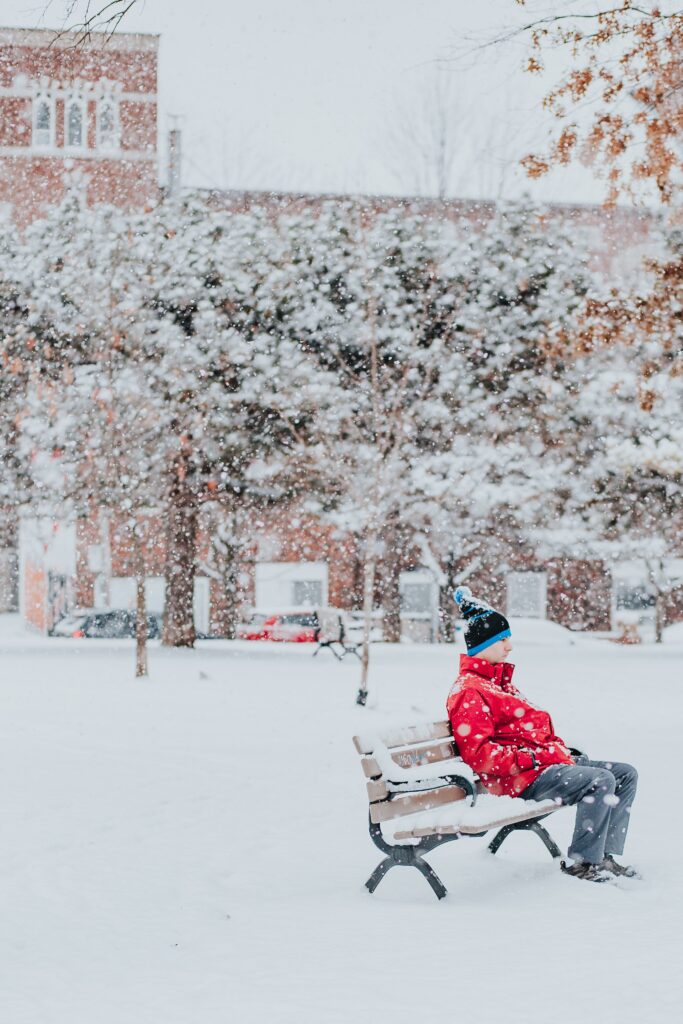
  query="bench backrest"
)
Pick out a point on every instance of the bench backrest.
point(347, 623)
point(329, 621)
point(408, 748)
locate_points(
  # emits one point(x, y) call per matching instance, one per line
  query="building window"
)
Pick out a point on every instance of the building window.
point(631, 596)
point(107, 125)
point(306, 592)
point(526, 594)
point(74, 119)
point(43, 122)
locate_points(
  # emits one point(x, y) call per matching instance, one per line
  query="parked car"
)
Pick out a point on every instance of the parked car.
point(299, 627)
point(111, 625)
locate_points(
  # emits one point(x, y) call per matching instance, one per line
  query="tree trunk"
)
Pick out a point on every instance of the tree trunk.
point(395, 544)
point(232, 591)
point(9, 533)
point(369, 567)
point(181, 540)
point(228, 562)
point(660, 617)
point(140, 626)
point(105, 569)
point(446, 604)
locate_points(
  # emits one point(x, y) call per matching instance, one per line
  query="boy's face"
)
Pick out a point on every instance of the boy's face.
point(497, 652)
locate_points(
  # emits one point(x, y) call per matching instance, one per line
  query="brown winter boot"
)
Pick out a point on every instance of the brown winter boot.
point(588, 872)
point(622, 870)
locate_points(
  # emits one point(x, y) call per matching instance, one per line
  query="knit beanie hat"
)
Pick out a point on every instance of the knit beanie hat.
point(484, 625)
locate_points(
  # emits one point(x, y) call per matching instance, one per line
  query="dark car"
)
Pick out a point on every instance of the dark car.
point(111, 625)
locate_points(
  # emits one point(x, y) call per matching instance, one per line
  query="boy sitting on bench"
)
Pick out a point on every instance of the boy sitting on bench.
point(513, 748)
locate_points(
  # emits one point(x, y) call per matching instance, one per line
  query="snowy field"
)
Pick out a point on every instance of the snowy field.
point(192, 848)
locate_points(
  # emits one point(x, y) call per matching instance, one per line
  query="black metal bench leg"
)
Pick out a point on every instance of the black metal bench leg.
point(422, 866)
point(500, 837)
point(526, 826)
point(328, 644)
point(545, 837)
point(437, 885)
point(378, 874)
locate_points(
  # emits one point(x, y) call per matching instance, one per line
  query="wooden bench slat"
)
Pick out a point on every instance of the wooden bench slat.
point(405, 737)
point(364, 744)
point(421, 833)
point(475, 829)
point(417, 734)
point(412, 802)
point(413, 757)
point(371, 768)
point(508, 819)
point(377, 790)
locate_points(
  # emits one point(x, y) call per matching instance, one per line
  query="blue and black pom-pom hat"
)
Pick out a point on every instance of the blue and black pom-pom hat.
point(484, 625)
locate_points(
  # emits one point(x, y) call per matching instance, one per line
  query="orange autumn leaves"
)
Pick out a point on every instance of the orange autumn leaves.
point(627, 70)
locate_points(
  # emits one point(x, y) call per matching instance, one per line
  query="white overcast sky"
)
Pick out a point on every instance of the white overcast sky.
point(304, 94)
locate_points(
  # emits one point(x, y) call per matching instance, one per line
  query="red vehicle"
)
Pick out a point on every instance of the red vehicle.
point(293, 627)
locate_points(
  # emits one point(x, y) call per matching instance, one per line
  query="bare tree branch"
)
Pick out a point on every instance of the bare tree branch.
point(555, 19)
point(84, 17)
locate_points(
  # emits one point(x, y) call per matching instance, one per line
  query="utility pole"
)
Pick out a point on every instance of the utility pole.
point(174, 158)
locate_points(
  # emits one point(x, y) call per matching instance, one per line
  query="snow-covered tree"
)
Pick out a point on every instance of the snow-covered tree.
point(89, 429)
point(361, 298)
point(516, 293)
point(624, 495)
point(158, 326)
point(225, 380)
point(13, 382)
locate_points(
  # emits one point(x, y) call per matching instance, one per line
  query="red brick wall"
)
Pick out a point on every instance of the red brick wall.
point(138, 126)
point(15, 121)
point(35, 590)
point(128, 58)
point(674, 606)
point(579, 594)
point(91, 123)
point(153, 544)
point(33, 185)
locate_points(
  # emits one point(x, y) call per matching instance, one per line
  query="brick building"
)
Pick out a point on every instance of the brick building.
point(71, 117)
point(83, 116)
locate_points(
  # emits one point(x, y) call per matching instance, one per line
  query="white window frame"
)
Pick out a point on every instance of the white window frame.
point(70, 102)
point(38, 100)
point(115, 139)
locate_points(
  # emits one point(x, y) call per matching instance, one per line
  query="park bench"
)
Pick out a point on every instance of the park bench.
point(333, 632)
point(422, 795)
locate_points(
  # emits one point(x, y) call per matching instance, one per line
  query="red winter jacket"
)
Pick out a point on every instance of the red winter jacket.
point(505, 739)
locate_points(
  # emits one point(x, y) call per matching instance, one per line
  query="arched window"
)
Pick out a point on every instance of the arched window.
point(74, 124)
point(43, 121)
point(107, 125)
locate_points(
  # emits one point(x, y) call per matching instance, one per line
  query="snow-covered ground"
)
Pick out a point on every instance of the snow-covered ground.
point(192, 848)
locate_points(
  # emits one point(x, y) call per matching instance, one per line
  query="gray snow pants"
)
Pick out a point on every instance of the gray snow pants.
point(603, 792)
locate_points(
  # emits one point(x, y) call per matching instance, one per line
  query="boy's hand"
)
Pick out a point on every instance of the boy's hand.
point(526, 760)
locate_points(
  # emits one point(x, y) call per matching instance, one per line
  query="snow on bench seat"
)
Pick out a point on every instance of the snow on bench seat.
point(488, 813)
